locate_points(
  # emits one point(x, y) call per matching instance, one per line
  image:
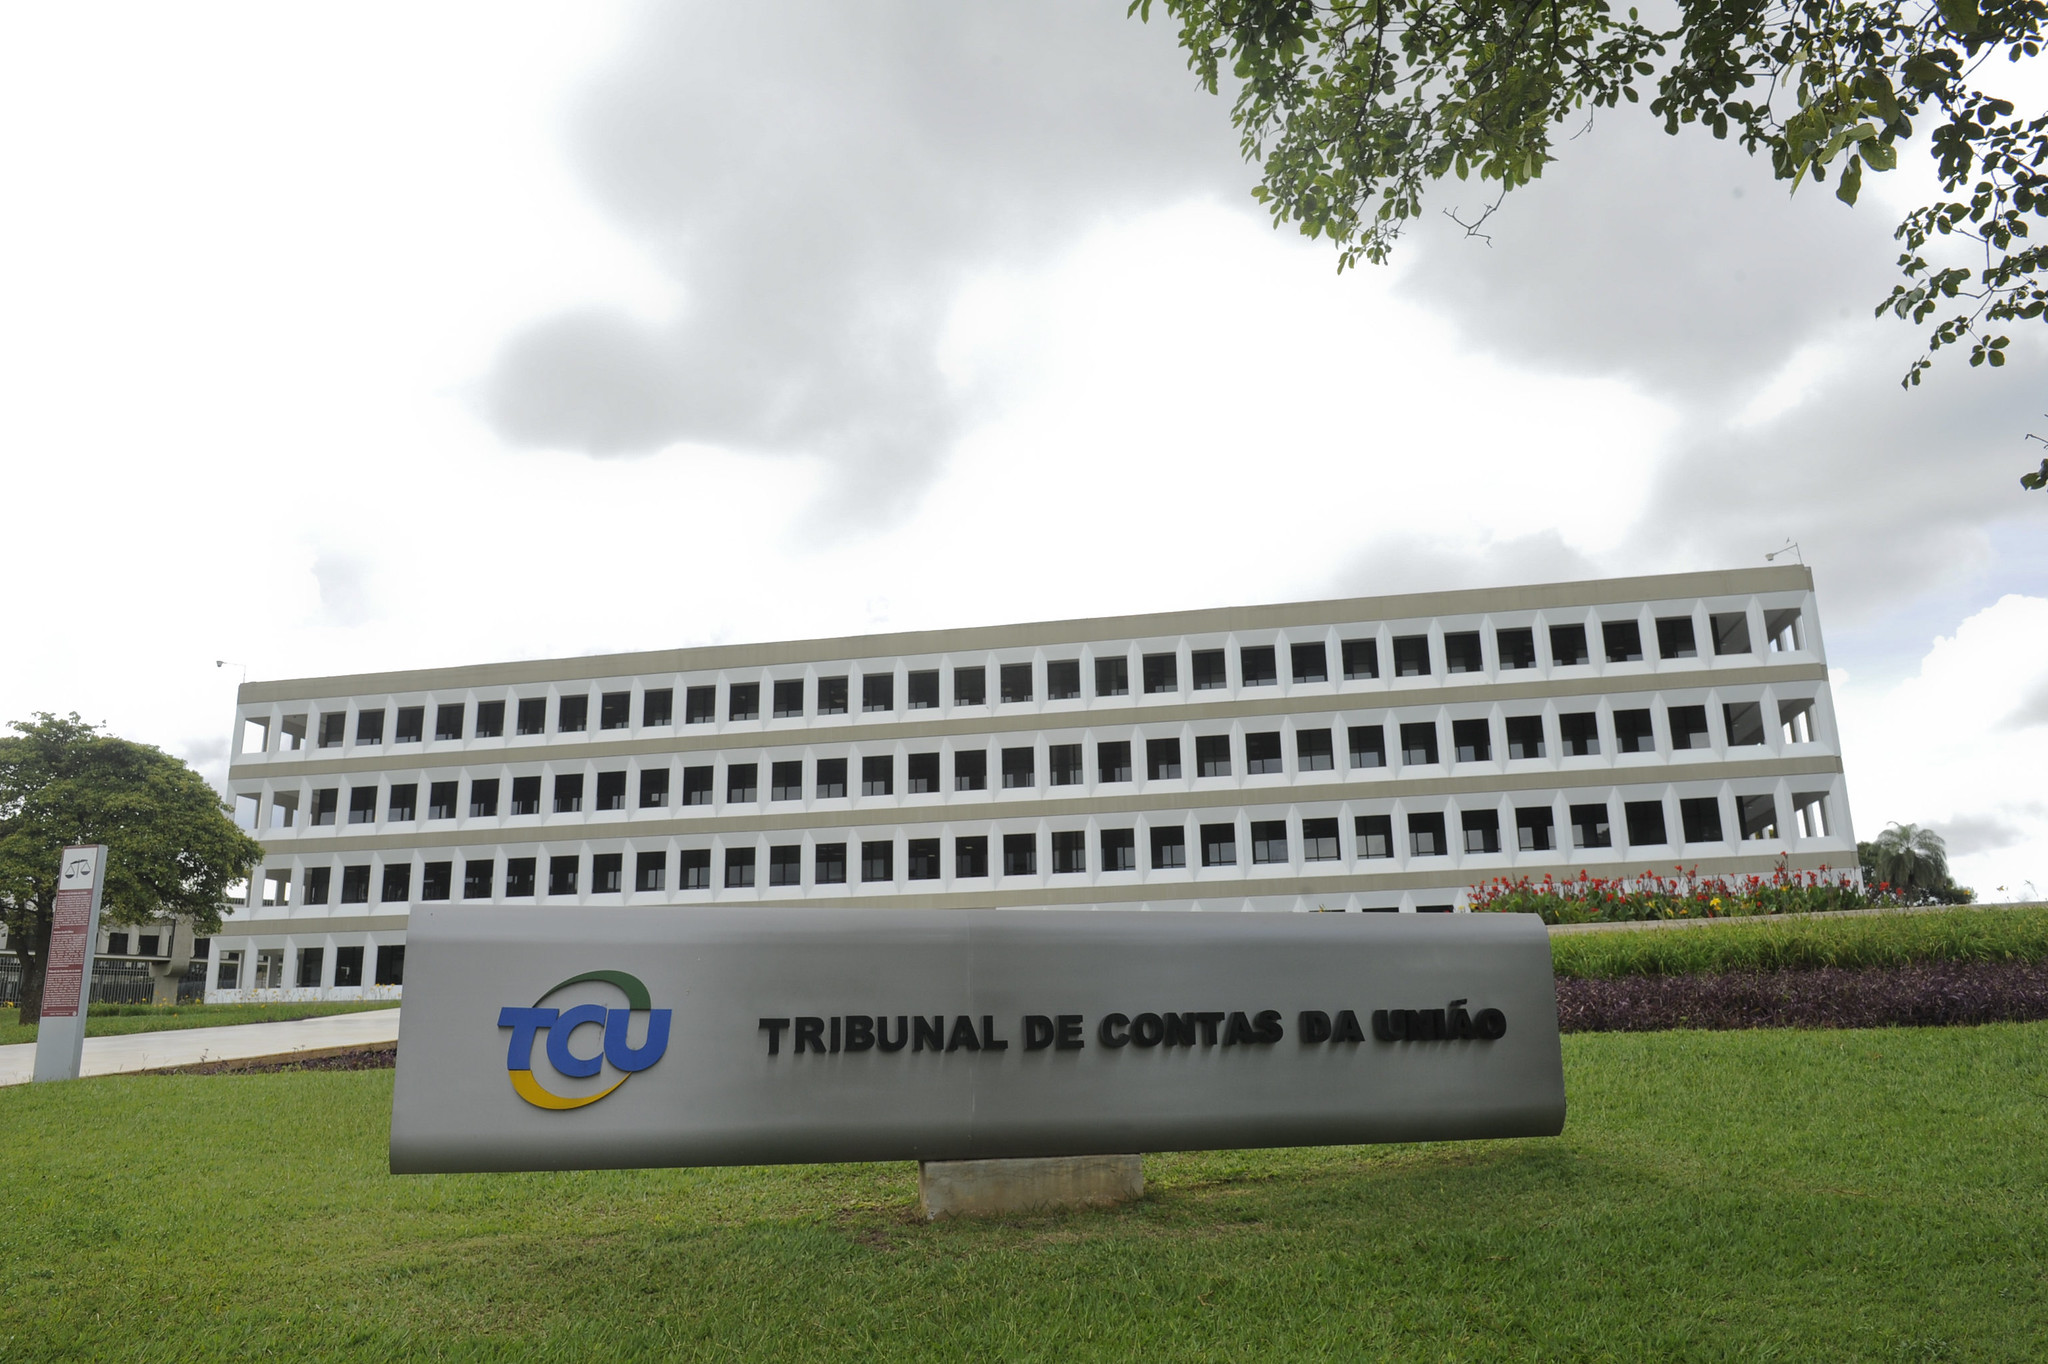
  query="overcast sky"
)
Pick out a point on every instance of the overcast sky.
point(381, 336)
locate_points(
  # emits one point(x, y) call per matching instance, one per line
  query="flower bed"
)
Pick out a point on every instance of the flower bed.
point(1684, 894)
point(1928, 994)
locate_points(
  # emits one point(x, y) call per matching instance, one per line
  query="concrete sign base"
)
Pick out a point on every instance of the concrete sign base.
point(988, 1188)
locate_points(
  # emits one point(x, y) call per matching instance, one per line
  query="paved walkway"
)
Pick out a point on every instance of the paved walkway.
point(190, 1046)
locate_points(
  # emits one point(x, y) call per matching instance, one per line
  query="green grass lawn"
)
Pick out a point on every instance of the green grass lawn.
point(1716, 1196)
point(1770, 944)
point(112, 1020)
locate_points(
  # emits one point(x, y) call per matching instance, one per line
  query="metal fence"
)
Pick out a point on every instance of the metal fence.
point(113, 982)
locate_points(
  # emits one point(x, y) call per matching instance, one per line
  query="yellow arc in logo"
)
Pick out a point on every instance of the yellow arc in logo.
point(529, 1089)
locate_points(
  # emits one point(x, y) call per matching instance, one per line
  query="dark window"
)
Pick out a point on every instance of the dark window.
point(1069, 852)
point(532, 716)
point(1580, 734)
point(878, 775)
point(1319, 840)
point(1113, 761)
point(1262, 753)
point(1212, 755)
point(526, 795)
point(572, 715)
point(970, 686)
point(1411, 655)
point(1018, 768)
point(1622, 641)
point(1269, 840)
point(1169, 847)
point(1745, 721)
point(477, 878)
point(146, 944)
point(1020, 854)
point(878, 692)
point(1689, 727)
point(970, 770)
point(921, 859)
point(1063, 764)
point(1700, 817)
point(348, 966)
point(1462, 653)
point(1589, 827)
point(921, 773)
point(362, 805)
point(310, 959)
point(970, 856)
point(1257, 665)
point(1219, 845)
point(1731, 633)
point(878, 861)
point(448, 722)
point(831, 778)
point(1645, 820)
point(1361, 659)
point(117, 944)
point(615, 710)
point(333, 729)
point(1162, 759)
point(519, 874)
point(568, 794)
point(437, 880)
point(317, 881)
point(402, 800)
point(391, 964)
point(1368, 745)
point(562, 875)
point(786, 780)
point(739, 868)
point(441, 799)
point(700, 705)
point(611, 790)
point(397, 883)
point(1759, 816)
point(1119, 850)
point(1633, 732)
point(742, 782)
point(1112, 677)
point(1312, 750)
point(831, 696)
point(653, 787)
point(786, 865)
point(1062, 679)
point(1535, 829)
point(1482, 830)
point(1568, 645)
point(1426, 834)
point(788, 696)
point(650, 871)
point(1525, 736)
point(1418, 743)
point(921, 690)
point(1375, 835)
point(1016, 682)
point(1675, 637)
point(490, 719)
point(483, 798)
point(1517, 648)
point(693, 868)
point(1311, 662)
point(370, 726)
point(658, 706)
point(743, 701)
point(1471, 741)
point(1161, 673)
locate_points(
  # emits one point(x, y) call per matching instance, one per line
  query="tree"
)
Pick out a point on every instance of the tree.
point(172, 849)
point(1350, 106)
point(1909, 859)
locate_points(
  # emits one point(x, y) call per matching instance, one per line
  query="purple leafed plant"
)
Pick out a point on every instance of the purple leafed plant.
point(1928, 994)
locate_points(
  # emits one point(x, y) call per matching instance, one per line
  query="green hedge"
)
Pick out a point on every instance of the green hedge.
point(1766, 944)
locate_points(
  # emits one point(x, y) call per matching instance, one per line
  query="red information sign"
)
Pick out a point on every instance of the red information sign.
point(64, 973)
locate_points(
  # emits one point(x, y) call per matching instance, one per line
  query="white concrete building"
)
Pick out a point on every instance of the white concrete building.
point(1367, 754)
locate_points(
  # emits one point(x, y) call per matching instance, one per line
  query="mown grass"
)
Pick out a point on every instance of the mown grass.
point(1760, 1195)
point(1763, 944)
point(111, 1020)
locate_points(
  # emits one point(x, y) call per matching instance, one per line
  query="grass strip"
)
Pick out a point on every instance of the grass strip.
point(114, 1020)
point(1765, 944)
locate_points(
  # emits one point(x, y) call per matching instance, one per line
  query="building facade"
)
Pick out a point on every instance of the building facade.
point(1365, 754)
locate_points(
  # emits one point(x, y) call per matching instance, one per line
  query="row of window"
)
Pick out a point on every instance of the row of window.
point(269, 972)
point(1258, 665)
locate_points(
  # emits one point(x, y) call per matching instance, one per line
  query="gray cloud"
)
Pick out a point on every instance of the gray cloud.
point(344, 588)
point(1978, 834)
point(1414, 564)
point(2033, 708)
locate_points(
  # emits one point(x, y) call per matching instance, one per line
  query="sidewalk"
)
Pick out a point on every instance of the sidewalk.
point(190, 1046)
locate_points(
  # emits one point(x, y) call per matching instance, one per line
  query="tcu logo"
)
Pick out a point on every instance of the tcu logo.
point(561, 1026)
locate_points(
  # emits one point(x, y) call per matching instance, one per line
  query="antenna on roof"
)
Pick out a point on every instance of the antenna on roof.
point(1790, 547)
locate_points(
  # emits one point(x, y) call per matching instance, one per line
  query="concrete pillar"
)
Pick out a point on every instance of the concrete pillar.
point(986, 1188)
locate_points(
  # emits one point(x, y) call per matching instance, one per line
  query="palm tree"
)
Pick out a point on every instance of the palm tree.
point(1910, 858)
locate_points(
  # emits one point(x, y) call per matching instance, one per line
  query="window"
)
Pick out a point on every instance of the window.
point(1633, 732)
point(348, 967)
point(831, 696)
point(1219, 845)
point(1062, 679)
point(1645, 822)
point(921, 859)
point(1580, 734)
point(693, 868)
point(569, 794)
point(1525, 736)
point(1426, 834)
point(1112, 677)
point(117, 944)
point(878, 861)
point(657, 706)
point(743, 782)
point(477, 878)
point(1319, 840)
point(310, 959)
point(1063, 762)
point(1212, 755)
point(1795, 720)
point(607, 873)
point(333, 728)
point(519, 875)
point(1269, 841)
point(1758, 816)
point(611, 790)
point(739, 868)
point(970, 857)
point(448, 721)
point(391, 964)
point(1731, 632)
point(1368, 745)
point(1361, 659)
point(1113, 761)
point(1312, 750)
point(697, 785)
point(615, 710)
point(786, 865)
point(653, 787)
point(921, 773)
point(1689, 727)
point(562, 875)
point(1462, 653)
point(878, 692)
point(970, 686)
point(1069, 852)
point(318, 879)
point(1162, 759)
point(1018, 770)
point(1568, 646)
point(532, 716)
point(970, 770)
point(397, 883)
point(1700, 819)
point(1256, 663)
point(572, 715)
point(1471, 741)
point(362, 805)
point(1810, 813)
point(1418, 743)
point(878, 775)
point(370, 726)
point(526, 795)
point(1482, 830)
point(1119, 849)
point(831, 778)
point(700, 705)
point(1169, 847)
point(1589, 827)
point(650, 871)
point(490, 719)
point(1622, 640)
point(788, 697)
point(146, 944)
point(1310, 662)
point(1782, 629)
point(743, 701)
point(483, 798)
point(404, 797)
point(921, 691)
point(1675, 637)
point(1517, 648)
point(437, 880)
point(1535, 829)
point(1745, 721)
point(1160, 674)
point(786, 780)
point(1016, 683)
point(1020, 854)
point(1411, 655)
point(1262, 753)
point(440, 800)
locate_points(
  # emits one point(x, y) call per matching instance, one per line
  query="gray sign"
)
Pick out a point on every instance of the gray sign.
point(540, 1039)
point(67, 964)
